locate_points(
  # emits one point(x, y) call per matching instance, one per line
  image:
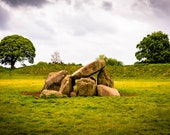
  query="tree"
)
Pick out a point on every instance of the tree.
point(102, 56)
point(110, 61)
point(154, 48)
point(16, 48)
point(56, 58)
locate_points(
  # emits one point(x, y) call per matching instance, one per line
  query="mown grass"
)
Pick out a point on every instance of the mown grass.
point(144, 109)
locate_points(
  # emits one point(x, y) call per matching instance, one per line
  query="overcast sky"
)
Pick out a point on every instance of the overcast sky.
point(81, 30)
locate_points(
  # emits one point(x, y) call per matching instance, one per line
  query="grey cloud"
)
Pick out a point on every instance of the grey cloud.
point(4, 17)
point(162, 6)
point(68, 2)
point(80, 3)
point(157, 7)
point(140, 5)
point(17, 3)
point(107, 5)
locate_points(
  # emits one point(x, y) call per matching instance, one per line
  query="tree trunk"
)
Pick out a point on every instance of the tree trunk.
point(13, 63)
point(12, 66)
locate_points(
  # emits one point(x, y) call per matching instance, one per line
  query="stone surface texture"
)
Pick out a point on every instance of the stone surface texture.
point(103, 90)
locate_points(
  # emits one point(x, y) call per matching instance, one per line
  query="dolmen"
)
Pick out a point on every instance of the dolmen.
point(80, 83)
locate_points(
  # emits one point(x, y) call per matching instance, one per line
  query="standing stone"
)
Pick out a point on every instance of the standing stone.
point(66, 85)
point(103, 90)
point(86, 87)
point(105, 79)
point(54, 79)
point(89, 69)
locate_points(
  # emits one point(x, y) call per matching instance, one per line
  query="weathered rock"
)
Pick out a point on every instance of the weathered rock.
point(66, 85)
point(103, 90)
point(104, 78)
point(54, 79)
point(73, 94)
point(89, 69)
point(51, 93)
point(86, 87)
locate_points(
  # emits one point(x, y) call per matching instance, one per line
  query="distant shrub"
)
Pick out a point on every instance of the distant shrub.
point(41, 63)
point(110, 61)
point(113, 62)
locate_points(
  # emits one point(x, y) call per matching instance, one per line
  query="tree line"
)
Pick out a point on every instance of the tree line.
point(154, 48)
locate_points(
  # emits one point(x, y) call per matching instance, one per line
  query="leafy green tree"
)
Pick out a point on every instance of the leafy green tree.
point(110, 61)
point(113, 62)
point(16, 48)
point(101, 56)
point(154, 48)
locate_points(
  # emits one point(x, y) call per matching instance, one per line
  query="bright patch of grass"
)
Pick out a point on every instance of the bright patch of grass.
point(144, 110)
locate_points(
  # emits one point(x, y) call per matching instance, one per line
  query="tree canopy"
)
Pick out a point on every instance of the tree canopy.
point(154, 48)
point(16, 48)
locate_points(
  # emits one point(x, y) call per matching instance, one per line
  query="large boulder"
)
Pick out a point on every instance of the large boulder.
point(89, 69)
point(103, 90)
point(54, 79)
point(105, 79)
point(66, 85)
point(50, 93)
point(86, 87)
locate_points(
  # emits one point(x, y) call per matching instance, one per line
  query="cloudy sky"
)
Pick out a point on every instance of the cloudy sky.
point(81, 30)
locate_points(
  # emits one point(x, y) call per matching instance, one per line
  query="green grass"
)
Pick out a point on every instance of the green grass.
point(128, 71)
point(144, 110)
point(140, 71)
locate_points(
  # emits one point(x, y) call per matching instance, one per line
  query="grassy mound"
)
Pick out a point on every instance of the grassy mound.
point(129, 71)
point(140, 71)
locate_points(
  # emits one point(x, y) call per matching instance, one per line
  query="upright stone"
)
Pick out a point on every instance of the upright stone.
point(54, 79)
point(66, 85)
point(86, 87)
point(103, 90)
point(104, 78)
point(89, 69)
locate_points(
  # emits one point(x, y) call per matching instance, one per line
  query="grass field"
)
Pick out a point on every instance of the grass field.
point(143, 108)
